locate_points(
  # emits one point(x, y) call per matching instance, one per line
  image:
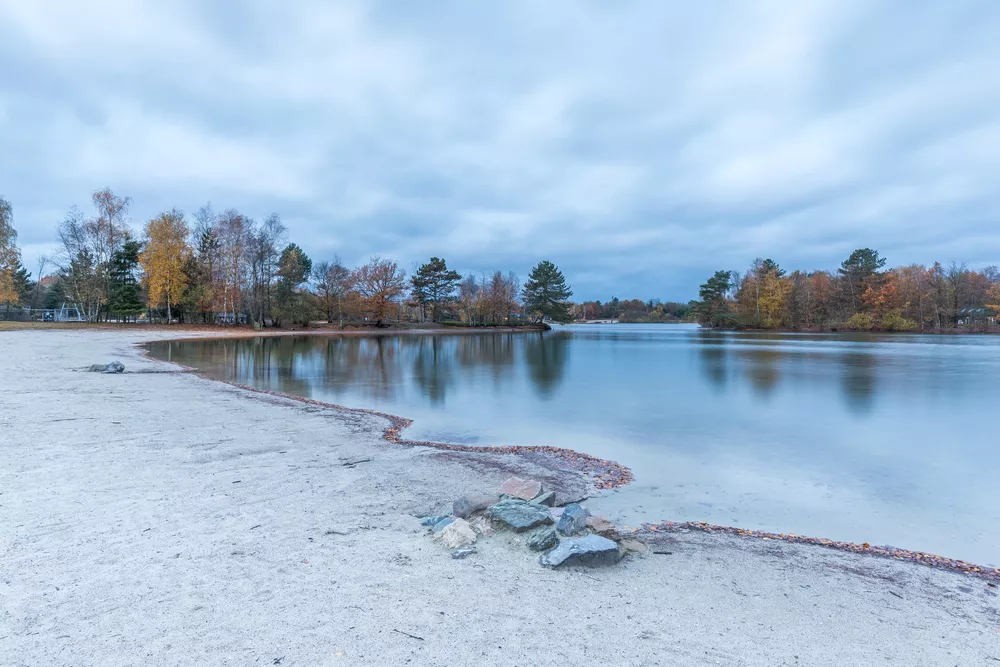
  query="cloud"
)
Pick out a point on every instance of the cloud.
point(640, 145)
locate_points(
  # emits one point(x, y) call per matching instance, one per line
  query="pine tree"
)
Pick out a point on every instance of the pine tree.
point(434, 284)
point(546, 294)
point(125, 299)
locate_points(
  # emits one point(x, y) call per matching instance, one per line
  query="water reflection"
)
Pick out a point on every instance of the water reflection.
point(858, 381)
point(377, 367)
point(546, 357)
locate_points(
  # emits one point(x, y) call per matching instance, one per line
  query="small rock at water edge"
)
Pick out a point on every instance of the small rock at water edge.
point(519, 515)
point(456, 534)
point(469, 504)
point(573, 520)
point(525, 489)
point(548, 499)
point(430, 521)
point(462, 552)
point(542, 539)
point(602, 526)
point(589, 550)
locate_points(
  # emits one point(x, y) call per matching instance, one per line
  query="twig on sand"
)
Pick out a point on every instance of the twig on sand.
point(257, 526)
point(664, 553)
point(351, 462)
point(896, 594)
point(408, 634)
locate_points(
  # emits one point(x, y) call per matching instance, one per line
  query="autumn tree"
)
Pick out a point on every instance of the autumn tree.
point(546, 293)
point(333, 282)
point(10, 255)
point(163, 259)
point(380, 283)
point(434, 284)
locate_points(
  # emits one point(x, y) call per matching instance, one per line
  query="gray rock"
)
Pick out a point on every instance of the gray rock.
point(462, 552)
point(542, 539)
point(519, 515)
point(469, 504)
point(429, 521)
point(442, 524)
point(548, 499)
point(113, 367)
point(573, 520)
point(590, 550)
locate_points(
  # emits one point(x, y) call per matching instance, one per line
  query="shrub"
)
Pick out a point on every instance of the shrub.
point(860, 322)
point(894, 321)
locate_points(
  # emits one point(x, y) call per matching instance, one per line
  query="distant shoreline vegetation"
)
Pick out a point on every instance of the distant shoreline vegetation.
point(229, 269)
point(861, 295)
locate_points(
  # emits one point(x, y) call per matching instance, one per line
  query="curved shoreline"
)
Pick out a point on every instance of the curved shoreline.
point(605, 474)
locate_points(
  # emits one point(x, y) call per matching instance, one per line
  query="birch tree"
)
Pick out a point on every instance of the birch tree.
point(163, 259)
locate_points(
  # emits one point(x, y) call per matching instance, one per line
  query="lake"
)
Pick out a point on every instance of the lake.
point(872, 438)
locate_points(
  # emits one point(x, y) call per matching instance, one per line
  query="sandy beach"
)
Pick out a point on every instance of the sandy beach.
point(158, 518)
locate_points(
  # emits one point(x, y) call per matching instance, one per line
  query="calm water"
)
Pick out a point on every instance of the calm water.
point(877, 438)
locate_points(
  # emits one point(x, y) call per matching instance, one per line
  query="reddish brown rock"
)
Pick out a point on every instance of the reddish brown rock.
point(525, 489)
point(601, 526)
point(469, 504)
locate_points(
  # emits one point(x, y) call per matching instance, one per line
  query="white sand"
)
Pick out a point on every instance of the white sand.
point(157, 518)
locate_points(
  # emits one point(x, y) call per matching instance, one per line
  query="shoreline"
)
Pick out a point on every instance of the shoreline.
point(159, 517)
point(604, 474)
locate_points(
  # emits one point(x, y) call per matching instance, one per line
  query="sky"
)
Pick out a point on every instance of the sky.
point(640, 145)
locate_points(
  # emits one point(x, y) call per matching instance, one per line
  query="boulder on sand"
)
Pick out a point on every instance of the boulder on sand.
point(113, 367)
point(471, 503)
point(525, 489)
point(590, 550)
point(519, 515)
point(573, 520)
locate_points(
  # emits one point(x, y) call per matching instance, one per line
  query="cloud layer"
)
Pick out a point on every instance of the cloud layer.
point(639, 145)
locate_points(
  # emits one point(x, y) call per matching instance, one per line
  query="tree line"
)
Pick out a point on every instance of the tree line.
point(861, 295)
point(229, 268)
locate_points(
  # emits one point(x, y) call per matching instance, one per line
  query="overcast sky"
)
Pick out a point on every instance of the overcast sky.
point(638, 145)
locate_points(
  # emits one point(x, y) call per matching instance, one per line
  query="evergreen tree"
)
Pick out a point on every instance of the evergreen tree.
point(294, 268)
point(23, 284)
point(125, 298)
point(713, 302)
point(546, 294)
point(434, 284)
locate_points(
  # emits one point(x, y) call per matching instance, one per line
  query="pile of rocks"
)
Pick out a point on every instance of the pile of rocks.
point(567, 535)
